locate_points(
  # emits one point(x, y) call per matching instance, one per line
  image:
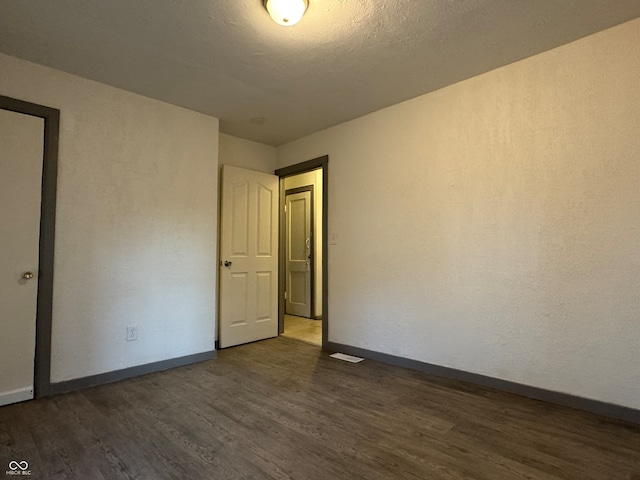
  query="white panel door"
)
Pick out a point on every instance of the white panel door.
point(248, 256)
point(21, 150)
point(298, 250)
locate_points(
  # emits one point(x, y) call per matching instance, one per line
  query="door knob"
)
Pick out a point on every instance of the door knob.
point(227, 263)
point(27, 275)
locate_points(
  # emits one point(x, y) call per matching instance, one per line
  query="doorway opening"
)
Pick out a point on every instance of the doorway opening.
point(39, 348)
point(303, 301)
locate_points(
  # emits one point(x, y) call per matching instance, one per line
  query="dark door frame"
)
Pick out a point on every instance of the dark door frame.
point(312, 246)
point(314, 164)
point(51, 116)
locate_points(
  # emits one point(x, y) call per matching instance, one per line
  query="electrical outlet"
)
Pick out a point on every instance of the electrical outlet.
point(132, 333)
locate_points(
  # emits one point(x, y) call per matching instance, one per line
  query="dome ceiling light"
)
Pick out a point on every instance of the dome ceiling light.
point(286, 12)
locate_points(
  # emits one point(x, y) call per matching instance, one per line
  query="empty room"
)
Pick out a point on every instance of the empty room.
point(320, 239)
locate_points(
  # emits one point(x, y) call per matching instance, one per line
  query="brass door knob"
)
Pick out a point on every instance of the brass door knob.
point(27, 275)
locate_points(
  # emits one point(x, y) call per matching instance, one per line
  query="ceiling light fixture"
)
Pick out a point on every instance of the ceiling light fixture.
point(286, 12)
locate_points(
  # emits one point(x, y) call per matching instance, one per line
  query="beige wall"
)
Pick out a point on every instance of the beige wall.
point(136, 223)
point(302, 180)
point(246, 154)
point(493, 226)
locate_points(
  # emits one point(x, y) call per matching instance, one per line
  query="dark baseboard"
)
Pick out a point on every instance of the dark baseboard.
point(594, 406)
point(117, 375)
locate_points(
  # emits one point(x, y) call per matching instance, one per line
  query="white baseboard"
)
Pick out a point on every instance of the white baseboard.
point(15, 396)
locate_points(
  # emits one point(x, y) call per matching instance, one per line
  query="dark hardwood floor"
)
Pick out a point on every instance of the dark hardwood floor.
point(282, 409)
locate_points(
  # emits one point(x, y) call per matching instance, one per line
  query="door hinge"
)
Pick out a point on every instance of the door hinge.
point(285, 208)
point(285, 295)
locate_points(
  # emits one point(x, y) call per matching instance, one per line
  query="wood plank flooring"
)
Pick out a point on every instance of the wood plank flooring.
point(282, 409)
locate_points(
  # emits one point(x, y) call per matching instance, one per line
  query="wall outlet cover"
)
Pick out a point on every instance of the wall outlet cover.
point(132, 333)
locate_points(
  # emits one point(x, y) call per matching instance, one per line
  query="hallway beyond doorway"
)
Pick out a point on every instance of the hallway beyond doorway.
point(304, 329)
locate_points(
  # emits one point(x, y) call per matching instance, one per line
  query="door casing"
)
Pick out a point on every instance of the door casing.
point(51, 116)
point(313, 164)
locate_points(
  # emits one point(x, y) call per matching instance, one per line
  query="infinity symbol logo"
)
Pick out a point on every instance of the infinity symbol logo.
point(23, 465)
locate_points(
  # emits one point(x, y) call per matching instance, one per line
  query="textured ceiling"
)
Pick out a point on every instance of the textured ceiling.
point(344, 59)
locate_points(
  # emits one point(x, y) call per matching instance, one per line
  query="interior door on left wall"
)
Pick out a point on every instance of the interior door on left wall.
point(21, 151)
point(248, 256)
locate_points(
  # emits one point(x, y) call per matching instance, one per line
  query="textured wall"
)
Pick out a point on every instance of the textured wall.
point(246, 154)
point(492, 226)
point(136, 223)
